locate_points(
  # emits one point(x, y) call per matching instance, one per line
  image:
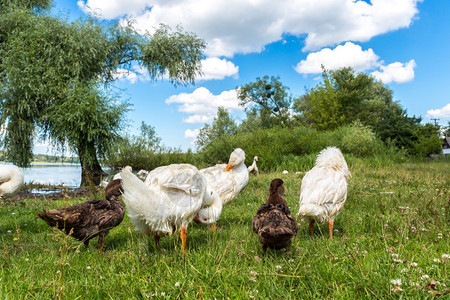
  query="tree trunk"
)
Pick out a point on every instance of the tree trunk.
point(91, 171)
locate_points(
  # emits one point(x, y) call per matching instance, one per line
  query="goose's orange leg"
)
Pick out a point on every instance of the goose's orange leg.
point(183, 235)
point(330, 229)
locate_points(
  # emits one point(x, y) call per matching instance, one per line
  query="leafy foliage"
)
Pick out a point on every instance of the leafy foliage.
point(49, 65)
point(222, 125)
point(268, 98)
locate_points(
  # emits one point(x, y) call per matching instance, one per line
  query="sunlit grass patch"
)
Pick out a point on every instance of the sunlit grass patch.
point(391, 241)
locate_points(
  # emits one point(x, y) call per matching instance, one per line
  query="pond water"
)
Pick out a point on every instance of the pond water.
point(54, 174)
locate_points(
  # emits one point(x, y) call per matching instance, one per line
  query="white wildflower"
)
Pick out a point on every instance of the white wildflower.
point(439, 235)
point(88, 267)
point(413, 264)
point(404, 270)
point(59, 271)
point(424, 229)
point(101, 277)
point(253, 273)
point(424, 277)
point(394, 255)
point(27, 259)
point(163, 294)
point(436, 260)
point(278, 267)
point(13, 213)
point(397, 260)
point(445, 257)
point(396, 281)
point(9, 231)
point(177, 284)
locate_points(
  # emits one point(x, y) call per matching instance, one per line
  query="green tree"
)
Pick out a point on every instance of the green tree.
point(134, 150)
point(269, 98)
point(48, 65)
point(222, 125)
point(342, 98)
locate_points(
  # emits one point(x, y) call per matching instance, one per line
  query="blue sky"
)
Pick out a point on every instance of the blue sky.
point(404, 43)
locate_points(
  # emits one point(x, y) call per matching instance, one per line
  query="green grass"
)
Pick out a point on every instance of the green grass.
point(395, 225)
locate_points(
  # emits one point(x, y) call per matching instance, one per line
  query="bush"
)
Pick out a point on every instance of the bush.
point(358, 139)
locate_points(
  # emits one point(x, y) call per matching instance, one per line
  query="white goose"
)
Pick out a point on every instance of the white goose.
point(168, 200)
point(324, 189)
point(11, 179)
point(228, 180)
point(254, 168)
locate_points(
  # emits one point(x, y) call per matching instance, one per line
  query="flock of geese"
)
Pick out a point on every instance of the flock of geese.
point(166, 199)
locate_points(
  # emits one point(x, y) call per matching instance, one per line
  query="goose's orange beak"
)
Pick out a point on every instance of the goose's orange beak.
point(228, 168)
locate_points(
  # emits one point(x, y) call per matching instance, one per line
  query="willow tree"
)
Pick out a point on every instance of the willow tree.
point(56, 78)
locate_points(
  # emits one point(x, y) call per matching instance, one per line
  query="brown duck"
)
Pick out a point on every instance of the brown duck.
point(92, 218)
point(273, 222)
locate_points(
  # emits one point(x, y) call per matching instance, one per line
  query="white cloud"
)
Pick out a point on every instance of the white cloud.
point(443, 112)
point(212, 68)
point(396, 72)
point(215, 68)
point(202, 105)
point(244, 26)
point(191, 135)
point(351, 55)
point(113, 9)
point(348, 55)
point(139, 73)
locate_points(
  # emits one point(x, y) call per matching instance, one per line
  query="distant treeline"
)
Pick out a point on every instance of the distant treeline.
point(45, 158)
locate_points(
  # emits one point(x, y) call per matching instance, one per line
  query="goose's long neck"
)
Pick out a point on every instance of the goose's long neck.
point(211, 207)
point(253, 166)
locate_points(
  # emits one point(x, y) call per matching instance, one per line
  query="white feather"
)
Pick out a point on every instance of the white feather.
point(228, 184)
point(324, 187)
point(170, 198)
point(11, 179)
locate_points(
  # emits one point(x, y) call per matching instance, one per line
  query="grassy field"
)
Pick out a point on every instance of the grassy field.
point(391, 241)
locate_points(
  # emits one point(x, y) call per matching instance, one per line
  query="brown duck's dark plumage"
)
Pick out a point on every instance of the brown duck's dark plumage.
point(273, 221)
point(86, 220)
